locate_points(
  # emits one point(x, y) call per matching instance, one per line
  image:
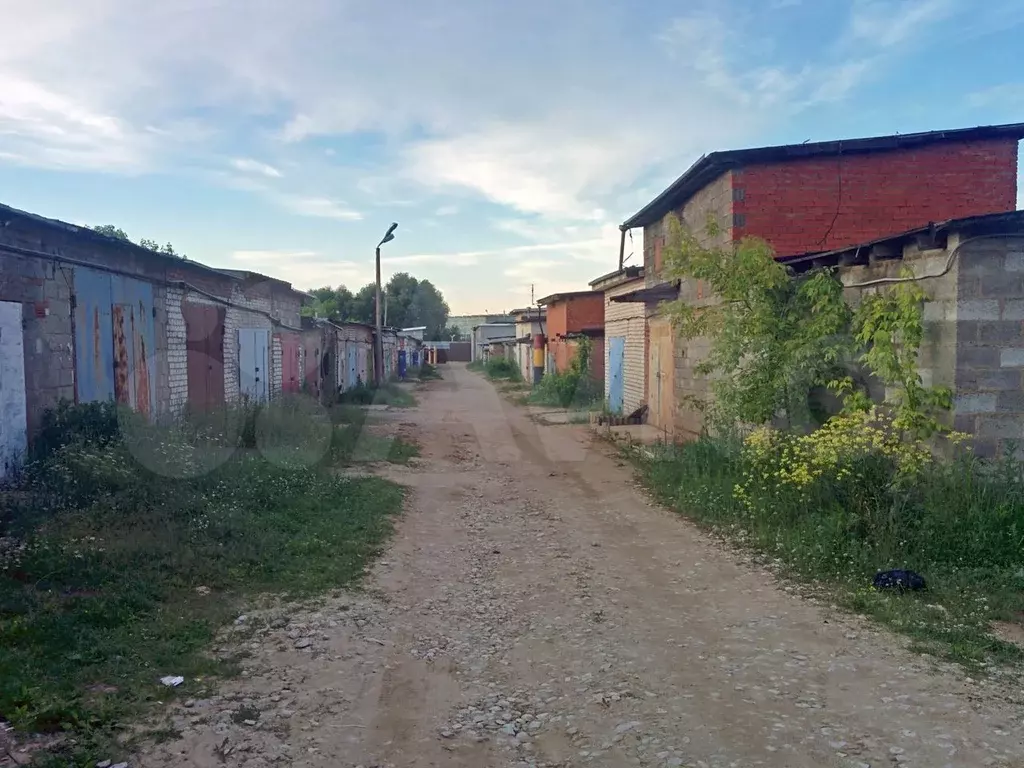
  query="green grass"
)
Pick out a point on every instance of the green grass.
point(130, 555)
point(497, 369)
point(355, 442)
point(391, 394)
point(960, 525)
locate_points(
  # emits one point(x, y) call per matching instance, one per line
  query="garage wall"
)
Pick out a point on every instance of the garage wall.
point(626, 320)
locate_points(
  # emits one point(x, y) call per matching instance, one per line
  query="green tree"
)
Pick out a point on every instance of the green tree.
point(409, 303)
point(334, 304)
point(111, 231)
point(119, 234)
point(773, 338)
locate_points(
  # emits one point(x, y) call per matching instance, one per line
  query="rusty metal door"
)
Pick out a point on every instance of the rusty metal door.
point(204, 344)
point(94, 350)
point(134, 343)
point(289, 363)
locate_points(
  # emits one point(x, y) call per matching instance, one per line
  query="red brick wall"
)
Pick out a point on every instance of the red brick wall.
point(557, 320)
point(793, 204)
point(585, 312)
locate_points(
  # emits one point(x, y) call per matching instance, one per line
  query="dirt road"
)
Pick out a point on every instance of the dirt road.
point(535, 610)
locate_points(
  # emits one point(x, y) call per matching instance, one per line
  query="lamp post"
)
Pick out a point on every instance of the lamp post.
point(378, 352)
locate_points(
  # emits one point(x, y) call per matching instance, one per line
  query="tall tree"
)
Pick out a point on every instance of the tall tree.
point(334, 304)
point(409, 303)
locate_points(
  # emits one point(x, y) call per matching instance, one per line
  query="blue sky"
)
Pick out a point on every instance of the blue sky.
point(508, 139)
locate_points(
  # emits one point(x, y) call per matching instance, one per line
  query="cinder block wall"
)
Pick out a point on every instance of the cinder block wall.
point(939, 348)
point(44, 291)
point(990, 343)
point(713, 202)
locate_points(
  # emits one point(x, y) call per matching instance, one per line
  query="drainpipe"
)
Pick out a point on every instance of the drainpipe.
point(622, 246)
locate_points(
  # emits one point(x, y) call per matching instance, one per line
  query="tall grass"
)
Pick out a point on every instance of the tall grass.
point(960, 524)
point(569, 389)
point(123, 549)
point(497, 369)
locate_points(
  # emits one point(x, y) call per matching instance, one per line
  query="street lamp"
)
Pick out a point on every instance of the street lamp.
point(378, 353)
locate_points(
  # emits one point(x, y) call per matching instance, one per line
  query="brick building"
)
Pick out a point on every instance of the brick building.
point(571, 316)
point(807, 198)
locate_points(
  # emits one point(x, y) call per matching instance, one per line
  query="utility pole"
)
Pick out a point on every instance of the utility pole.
point(378, 352)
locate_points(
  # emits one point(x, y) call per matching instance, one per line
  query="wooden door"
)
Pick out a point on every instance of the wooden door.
point(204, 345)
point(661, 387)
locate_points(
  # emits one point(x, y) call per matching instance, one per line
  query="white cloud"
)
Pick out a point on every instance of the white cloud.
point(247, 165)
point(563, 128)
point(320, 207)
point(304, 269)
point(888, 23)
point(447, 210)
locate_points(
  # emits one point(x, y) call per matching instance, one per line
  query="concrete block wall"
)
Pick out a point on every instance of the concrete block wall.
point(43, 289)
point(989, 315)
point(712, 202)
point(938, 353)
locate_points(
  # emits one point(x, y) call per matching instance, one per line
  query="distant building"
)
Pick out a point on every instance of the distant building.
point(466, 323)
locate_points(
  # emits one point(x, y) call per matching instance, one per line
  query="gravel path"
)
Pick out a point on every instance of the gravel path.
point(535, 610)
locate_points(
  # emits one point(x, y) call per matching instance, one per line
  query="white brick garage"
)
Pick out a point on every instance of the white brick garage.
point(624, 340)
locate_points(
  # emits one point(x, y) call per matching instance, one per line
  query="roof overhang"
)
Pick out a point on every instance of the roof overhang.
point(653, 295)
point(554, 298)
point(931, 236)
point(618, 277)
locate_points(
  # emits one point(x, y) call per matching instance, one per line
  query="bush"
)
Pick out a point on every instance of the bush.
point(502, 368)
point(573, 388)
point(68, 423)
point(428, 371)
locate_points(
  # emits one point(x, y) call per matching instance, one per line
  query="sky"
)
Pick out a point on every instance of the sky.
point(508, 139)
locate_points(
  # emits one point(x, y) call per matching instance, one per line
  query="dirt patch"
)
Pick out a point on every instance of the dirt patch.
point(1009, 632)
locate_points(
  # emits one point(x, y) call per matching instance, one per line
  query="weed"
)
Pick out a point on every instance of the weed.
point(960, 524)
point(428, 371)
